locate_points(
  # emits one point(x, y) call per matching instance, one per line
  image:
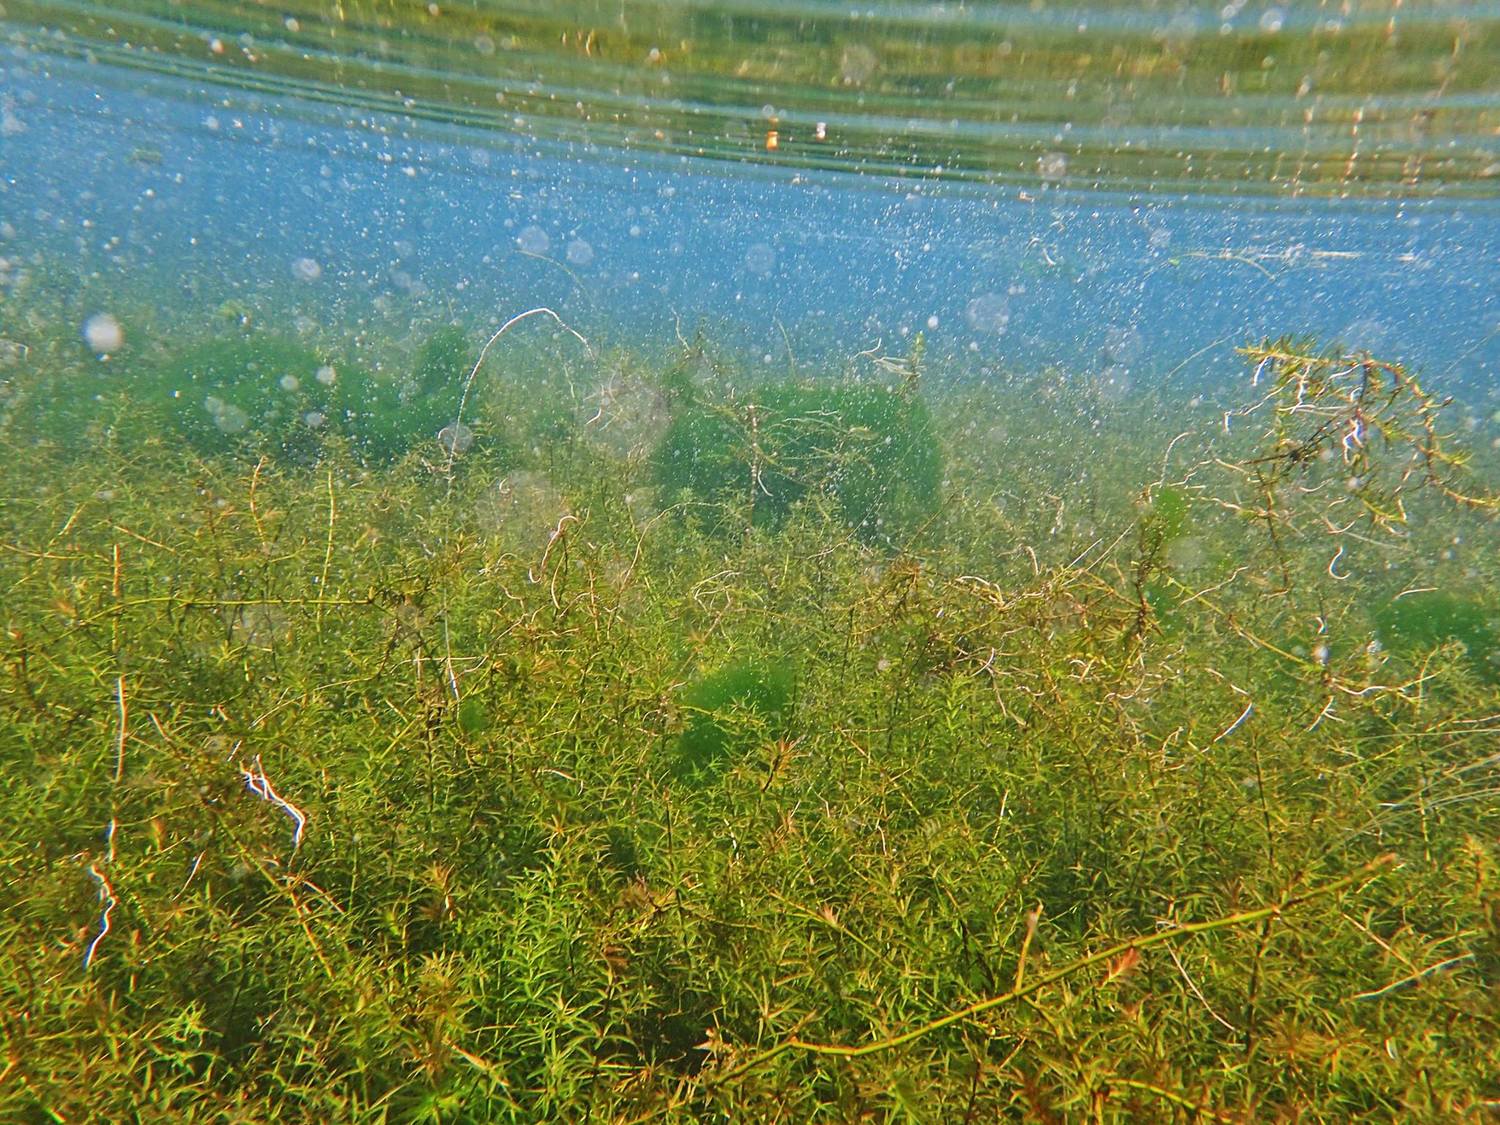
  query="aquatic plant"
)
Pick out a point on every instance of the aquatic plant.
point(260, 393)
point(1415, 622)
point(746, 699)
point(869, 450)
point(322, 800)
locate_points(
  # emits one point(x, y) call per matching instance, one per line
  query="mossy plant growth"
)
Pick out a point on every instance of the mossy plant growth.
point(443, 363)
point(258, 393)
point(321, 802)
point(868, 450)
point(1415, 623)
point(729, 709)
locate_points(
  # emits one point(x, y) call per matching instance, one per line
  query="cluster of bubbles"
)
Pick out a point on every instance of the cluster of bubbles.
point(229, 419)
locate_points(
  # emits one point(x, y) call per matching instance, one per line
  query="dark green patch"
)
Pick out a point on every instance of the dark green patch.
point(1417, 623)
point(728, 708)
point(870, 451)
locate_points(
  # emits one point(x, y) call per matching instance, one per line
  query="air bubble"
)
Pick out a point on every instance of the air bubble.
point(760, 259)
point(455, 438)
point(988, 312)
point(580, 253)
point(533, 240)
point(103, 333)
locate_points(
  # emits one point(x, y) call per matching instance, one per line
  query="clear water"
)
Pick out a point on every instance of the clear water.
point(1024, 184)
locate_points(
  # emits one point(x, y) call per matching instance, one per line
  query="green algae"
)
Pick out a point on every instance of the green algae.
point(1415, 623)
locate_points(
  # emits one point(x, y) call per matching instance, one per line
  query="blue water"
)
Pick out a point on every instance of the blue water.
point(201, 198)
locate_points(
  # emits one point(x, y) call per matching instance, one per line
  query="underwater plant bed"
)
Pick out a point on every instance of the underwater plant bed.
point(337, 791)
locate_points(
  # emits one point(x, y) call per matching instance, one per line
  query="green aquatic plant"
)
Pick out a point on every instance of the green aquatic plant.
point(1352, 420)
point(443, 362)
point(870, 451)
point(1416, 622)
point(264, 394)
point(746, 698)
point(1163, 520)
point(321, 803)
point(259, 393)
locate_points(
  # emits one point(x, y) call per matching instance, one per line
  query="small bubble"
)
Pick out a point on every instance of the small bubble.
point(306, 269)
point(1052, 167)
point(1272, 20)
point(580, 253)
point(290, 383)
point(103, 333)
point(533, 240)
point(932, 321)
point(326, 375)
point(315, 419)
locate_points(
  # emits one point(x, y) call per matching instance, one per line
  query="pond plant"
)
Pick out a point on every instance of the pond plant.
point(327, 797)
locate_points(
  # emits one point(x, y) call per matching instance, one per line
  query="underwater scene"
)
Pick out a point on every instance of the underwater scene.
point(749, 561)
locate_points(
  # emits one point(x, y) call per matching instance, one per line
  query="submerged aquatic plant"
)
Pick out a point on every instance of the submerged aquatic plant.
point(262, 394)
point(1415, 622)
point(374, 794)
point(870, 451)
point(748, 698)
point(1365, 423)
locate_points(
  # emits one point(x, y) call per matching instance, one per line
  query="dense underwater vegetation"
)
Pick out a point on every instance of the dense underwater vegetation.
point(693, 743)
point(734, 562)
